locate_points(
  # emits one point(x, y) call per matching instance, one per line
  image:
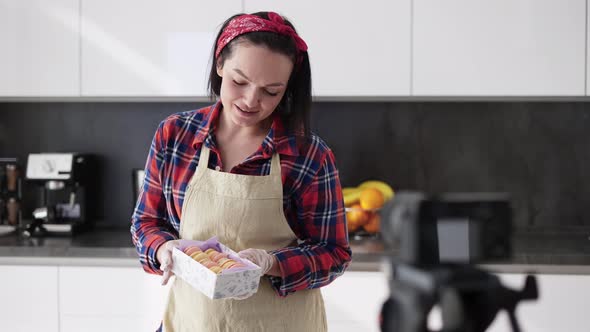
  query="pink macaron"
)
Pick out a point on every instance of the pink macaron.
point(209, 263)
point(191, 250)
point(217, 256)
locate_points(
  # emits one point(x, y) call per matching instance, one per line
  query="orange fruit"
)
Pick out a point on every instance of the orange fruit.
point(371, 198)
point(373, 225)
point(356, 217)
point(352, 226)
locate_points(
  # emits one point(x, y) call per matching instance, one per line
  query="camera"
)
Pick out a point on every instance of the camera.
point(449, 228)
point(438, 240)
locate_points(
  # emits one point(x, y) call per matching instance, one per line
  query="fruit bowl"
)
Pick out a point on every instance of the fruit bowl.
point(363, 207)
point(363, 223)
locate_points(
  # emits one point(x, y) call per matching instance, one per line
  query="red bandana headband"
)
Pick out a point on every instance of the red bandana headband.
point(252, 23)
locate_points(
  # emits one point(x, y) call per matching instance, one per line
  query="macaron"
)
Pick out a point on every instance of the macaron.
point(238, 265)
point(217, 256)
point(209, 263)
point(210, 251)
point(187, 248)
point(223, 260)
point(199, 256)
point(228, 264)
point(191, 250)
point(216, 269)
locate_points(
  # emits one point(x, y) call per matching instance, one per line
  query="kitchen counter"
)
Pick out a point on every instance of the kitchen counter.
point(554, 252)
point(100, 247)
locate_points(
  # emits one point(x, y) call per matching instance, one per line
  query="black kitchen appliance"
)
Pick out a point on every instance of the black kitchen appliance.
point(63, 184)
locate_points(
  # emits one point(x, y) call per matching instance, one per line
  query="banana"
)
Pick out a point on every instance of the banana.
point(383, 187)
point(352, 197)
point(348, 190)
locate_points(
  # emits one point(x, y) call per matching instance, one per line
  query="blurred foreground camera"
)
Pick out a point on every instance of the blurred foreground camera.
point(449, 228)
point(438, 238)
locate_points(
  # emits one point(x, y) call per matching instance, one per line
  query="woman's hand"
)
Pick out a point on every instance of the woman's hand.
point(164, 256)
point(268, 263)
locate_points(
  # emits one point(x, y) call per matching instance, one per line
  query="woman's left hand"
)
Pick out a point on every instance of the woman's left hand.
point(268, 263)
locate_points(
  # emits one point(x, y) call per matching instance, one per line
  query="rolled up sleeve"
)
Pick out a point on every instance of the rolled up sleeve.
point(324, 252)
point(150, 226)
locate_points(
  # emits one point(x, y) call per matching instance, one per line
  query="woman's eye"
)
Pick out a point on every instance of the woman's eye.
point(271, 93)
point(238, 83)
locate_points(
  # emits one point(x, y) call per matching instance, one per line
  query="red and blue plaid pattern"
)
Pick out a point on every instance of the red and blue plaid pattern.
point(312, 196)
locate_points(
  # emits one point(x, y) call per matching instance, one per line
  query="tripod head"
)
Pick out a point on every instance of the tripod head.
point(438, 239)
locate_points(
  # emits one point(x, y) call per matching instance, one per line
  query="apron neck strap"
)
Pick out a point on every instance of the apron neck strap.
point(204, 157)
point(275, 164)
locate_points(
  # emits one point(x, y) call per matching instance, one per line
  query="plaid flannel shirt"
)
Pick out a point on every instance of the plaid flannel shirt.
point(312, 196)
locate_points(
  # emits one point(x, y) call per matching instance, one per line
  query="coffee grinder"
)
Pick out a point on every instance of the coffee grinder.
point(62, 183)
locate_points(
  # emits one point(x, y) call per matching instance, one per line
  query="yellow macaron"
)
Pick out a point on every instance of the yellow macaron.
point(199, 256)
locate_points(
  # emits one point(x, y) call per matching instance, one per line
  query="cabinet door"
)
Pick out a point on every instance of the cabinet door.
point(356, 48)
point(29, 298)
point(40, 48)
point(149, 48)
point(353, 301)
point(499, 47)
point(110, 299)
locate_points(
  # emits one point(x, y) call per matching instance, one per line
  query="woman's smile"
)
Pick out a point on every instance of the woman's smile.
point(245, 113)
point(245, 110)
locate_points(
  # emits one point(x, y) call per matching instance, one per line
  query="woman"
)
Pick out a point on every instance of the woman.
point(249, 171)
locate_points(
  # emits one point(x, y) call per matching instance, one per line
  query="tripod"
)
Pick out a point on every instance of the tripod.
point(469, 298)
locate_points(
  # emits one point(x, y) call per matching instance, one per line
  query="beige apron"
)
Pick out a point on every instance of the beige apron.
point(243, 211)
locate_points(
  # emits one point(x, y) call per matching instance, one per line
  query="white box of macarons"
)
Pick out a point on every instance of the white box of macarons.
point(214, 269)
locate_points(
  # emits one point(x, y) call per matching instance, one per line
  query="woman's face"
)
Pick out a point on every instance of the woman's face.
point(254, 80)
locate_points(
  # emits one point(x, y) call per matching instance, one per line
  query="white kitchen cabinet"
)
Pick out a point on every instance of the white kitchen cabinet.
point(353, 301)
point(356, 48)
point(29, 298)
point(40, 48)
point(149, 48)
point(110, 299)
point(128, 299)
point(499, 48)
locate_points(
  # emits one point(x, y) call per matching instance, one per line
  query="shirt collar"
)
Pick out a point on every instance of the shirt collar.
point(276, 140)
point(207, 126)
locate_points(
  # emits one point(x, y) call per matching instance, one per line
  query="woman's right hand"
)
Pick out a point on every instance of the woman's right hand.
point(164, 256)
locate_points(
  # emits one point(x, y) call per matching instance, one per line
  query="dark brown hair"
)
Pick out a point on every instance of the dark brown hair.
point(295, 106)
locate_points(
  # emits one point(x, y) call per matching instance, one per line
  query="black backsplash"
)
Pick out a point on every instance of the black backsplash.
point(537, 151)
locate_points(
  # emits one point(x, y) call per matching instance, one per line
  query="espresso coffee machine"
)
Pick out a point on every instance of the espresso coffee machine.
point(62, 190)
